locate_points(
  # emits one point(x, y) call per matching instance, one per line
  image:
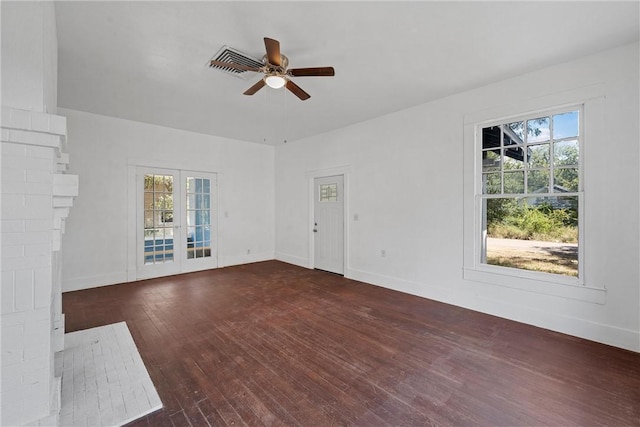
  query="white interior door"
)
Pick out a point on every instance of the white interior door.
point(329, 224)
point(176, 222)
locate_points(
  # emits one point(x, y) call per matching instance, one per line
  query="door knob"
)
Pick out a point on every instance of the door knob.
point(315, 227)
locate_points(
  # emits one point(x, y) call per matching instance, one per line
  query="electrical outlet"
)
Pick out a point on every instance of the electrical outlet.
point(248, 251)
point(383, 253)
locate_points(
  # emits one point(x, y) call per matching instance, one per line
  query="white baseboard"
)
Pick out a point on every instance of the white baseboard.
point(582, 328)
point(292, 259)
point(88, 282)
point(246, 259)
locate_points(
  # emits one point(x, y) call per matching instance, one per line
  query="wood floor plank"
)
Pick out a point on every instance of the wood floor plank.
point(274, 344)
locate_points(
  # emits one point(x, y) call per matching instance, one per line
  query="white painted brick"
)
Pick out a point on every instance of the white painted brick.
point(38, 329)
point(39, 314)
point(33, 355)
point(12, 175)
point(8, 292)
point(35, 376)
point(63, 159)
point(23, 278)
point(44, 153)
point(38, 225)
point(65, 185)
point(30, 238)
point(25, 212)
point(25, 263)
point(58, 124)
point(11, 251)
point(12, 344)
point(61, 168)
point(13, 319)
point(56, 240)
point(11, 380)
point(11, 357)
point(28, 162)
point(6, 116)
point(59, 214)
point(24, 290)
point(38, 188)
point(4, 135)
point(35, 350)
point(38, 249)
point(34, 138)
point(26, 188)
point(42, 292)
point(11, 150)
point(40, 152)
point(62, 202)
point(39, 122)
point(42, 276)
point(39, 202)
point(19, 119)
point(13, 226)
point(13, 200)
point(39, 175)
point(12, 411)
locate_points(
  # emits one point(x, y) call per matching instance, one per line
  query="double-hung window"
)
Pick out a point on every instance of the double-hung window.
point(528, 192)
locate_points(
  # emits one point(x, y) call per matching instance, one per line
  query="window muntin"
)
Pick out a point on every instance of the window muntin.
point(529, 191)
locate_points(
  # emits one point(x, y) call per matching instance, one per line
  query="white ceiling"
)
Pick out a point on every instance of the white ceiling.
point(147, 61)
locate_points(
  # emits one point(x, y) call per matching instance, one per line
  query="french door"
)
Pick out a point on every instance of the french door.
point(175, 222)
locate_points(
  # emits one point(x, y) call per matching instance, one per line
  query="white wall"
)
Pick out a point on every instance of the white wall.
point(101, 148)
point(29, 56)
point(406, 183)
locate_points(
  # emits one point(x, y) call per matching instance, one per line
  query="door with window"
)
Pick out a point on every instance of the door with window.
point(328, 229)
point(175, 222)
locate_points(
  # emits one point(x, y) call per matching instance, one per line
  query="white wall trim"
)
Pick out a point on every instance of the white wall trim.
point(88, 282)
point(293, 259)
point(594, 331)
point(248, 258)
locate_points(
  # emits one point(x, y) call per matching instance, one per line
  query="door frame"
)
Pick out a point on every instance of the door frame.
point(345, 171)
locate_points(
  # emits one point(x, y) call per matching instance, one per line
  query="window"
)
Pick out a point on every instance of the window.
point(328, 192)
point(529, 189)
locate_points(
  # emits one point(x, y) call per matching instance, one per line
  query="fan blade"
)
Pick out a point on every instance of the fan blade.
point(232, 65)
point(310, 72)
point(297, 91)
point(273, 51)
point(256, 87)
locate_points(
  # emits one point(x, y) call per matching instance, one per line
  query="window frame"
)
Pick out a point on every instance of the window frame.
point(480, 231)
point(592, 287)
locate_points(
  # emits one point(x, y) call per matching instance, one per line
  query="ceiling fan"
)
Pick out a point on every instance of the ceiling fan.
point(276, 73)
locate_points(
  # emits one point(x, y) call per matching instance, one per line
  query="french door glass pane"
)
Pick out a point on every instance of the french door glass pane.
point(158, 219)
point(198, 199)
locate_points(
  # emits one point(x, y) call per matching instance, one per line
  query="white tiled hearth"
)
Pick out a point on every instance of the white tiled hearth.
point(104, 380)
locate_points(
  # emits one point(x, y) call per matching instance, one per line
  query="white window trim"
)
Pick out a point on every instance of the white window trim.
point(591, 98)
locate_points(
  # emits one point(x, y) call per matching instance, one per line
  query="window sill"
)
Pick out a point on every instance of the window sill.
point(559, 287)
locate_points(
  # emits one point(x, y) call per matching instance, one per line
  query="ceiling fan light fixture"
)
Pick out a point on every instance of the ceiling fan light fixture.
point(275, 81)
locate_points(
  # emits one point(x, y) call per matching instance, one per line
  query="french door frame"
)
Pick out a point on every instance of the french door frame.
point(135, 268)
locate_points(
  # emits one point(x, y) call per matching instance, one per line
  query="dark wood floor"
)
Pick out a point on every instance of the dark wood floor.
point(274, 344)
